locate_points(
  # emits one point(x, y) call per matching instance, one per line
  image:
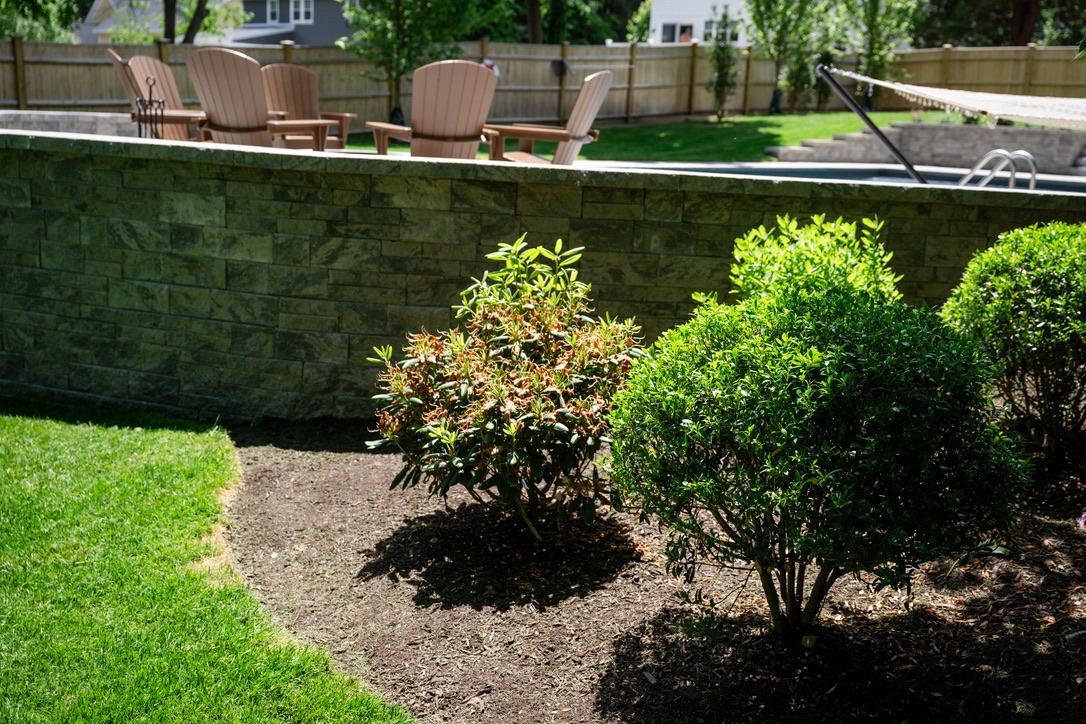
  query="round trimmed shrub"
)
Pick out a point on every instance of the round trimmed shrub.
point(813, 433)
point(1024, 301)
point(818, 255)
point(513, 405)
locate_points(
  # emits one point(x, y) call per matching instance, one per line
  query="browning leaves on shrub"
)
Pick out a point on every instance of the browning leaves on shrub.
point(513, 405)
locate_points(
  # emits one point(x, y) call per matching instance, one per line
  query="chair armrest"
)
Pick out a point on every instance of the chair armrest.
point(528, 134)
point(344, 121)
point(318, 129)
point(384, 131)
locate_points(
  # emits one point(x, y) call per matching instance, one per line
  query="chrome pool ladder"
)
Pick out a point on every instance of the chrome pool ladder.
point(1003, 158)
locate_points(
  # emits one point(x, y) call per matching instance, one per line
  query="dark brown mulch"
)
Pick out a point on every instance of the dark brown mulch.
point(453, 612)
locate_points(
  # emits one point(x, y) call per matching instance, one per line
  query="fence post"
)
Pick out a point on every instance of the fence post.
point(562, 85)
point(1027, 82)
point(484, 49)
point(288, 51)
point(20, 71)
point(630, 82)
point(693, 77)
point(746, 80)
point(945, 69)
point(163, 50)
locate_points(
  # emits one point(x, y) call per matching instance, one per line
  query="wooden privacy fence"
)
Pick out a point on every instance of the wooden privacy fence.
point(538, 82)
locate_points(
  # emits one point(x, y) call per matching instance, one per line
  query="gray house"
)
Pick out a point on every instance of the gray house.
point(306, 22)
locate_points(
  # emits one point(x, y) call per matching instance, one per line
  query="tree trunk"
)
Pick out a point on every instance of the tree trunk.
point(1024, 21)
point(198, 17)
point(169, 20)
point(535, 21)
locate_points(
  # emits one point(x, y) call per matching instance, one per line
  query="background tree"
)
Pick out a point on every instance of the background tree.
point(637, 29)
point(876, 29)
point(723, 59)
point(981, 23)
point(398, 36)
point(587, 22)
point(776, 26)
point(136, 24)
point(41, 20)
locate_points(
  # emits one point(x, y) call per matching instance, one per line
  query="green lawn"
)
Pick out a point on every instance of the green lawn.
point(743, 138)
point(104, 615)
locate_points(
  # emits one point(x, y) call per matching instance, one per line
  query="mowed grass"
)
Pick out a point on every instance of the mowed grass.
point(113, 604)
point(742, 138)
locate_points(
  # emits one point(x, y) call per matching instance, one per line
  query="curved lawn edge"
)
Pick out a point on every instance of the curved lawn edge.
point(109, 609)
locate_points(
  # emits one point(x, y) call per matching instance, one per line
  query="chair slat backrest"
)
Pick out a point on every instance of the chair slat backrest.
point(144, 68)
point(450, 99)
point(585, 109)
point(231, 91)
point(122, 73)
point(291, 89)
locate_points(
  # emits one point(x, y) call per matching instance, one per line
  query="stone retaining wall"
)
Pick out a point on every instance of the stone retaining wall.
point(244, 283)
point(946, 144)
point(99, 124)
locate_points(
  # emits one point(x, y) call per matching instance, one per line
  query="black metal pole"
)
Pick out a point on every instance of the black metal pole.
point(855, 108)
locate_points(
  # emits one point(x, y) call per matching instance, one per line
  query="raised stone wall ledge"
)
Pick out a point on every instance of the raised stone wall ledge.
point(227, 281)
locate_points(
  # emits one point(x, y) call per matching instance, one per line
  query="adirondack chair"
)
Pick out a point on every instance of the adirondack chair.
point(449, 105)
point(176, 118)
point(133, 76)
point(231, 91)
point(577, 132)
point(292, 91)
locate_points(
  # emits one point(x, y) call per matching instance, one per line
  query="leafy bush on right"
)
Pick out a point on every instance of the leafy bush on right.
point(1024, 301)
point(815, 429)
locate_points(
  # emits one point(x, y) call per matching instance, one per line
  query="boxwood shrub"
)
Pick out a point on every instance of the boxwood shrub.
point(1024, 301)
point(815, 429)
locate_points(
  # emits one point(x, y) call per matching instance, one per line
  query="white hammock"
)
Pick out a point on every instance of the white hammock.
point(1038, 110)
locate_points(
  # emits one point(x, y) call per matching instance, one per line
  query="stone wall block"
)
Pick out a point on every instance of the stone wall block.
point(139, 296)
point(548, 200)
point(193, 208)
point(245, 308)
point(483, 196)
point(189, 301)
point(407, 192)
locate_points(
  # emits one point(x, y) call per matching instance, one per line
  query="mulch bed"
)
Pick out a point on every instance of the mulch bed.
point(451, 610)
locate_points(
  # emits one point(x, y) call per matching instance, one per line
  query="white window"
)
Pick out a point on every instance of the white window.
point(708, 35)
point(301, 11)
point(668, 35)
point(273, 11)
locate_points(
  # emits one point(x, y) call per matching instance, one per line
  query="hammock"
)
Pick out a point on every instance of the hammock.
point(1039, 110)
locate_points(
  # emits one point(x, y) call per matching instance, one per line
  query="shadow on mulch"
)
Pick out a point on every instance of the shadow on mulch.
point(871, 669)
point(317, 435)
point(1009, 645)
point(481, 557)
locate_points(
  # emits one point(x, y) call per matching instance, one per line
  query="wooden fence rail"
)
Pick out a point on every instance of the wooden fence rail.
point(538, 82)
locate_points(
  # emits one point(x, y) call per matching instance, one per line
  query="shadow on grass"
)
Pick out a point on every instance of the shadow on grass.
point(479, 556)
point(96, 413)
point(1004, 639)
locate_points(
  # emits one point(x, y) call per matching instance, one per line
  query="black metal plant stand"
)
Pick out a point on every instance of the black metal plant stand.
point(150, 113)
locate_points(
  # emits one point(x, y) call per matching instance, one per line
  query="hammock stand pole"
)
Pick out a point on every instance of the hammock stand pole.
point(855, 108)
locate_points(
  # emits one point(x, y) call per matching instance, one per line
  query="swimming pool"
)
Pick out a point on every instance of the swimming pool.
point(884, 174)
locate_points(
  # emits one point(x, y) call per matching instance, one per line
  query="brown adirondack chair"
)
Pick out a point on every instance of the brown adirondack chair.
point(231, 91)
point(133, 75)
point(578, 130)
point(292, 91)
point(176, 118)
point(449, 104)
